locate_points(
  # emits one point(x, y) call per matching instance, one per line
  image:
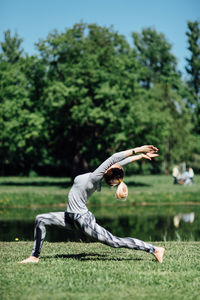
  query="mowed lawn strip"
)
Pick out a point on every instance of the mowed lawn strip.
point(42, 191)
point(94, 271)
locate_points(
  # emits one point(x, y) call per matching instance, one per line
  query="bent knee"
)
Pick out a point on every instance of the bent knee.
point(39, 218)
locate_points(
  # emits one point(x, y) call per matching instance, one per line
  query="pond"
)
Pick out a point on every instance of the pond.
point(149, 223)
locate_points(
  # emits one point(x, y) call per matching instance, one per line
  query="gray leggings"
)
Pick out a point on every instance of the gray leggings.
point(87, 224)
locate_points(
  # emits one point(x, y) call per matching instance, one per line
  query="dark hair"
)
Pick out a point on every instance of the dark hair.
point(113, 173)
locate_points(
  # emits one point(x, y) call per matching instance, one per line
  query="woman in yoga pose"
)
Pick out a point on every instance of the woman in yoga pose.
point(77, 215)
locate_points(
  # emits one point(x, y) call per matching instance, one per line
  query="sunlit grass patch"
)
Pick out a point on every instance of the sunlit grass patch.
point(95, 271)
point(53, 191)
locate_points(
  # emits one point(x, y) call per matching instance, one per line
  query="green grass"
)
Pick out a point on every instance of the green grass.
point(41, 191)
point(94, 271)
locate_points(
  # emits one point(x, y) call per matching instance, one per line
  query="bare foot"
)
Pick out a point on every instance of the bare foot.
point(159, 254)
point(30, 259)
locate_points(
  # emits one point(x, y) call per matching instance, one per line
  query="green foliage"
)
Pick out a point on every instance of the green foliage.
point(11, 47)
point(154, 55)
point(21, 126)
point(87, 95)
point(193, 69)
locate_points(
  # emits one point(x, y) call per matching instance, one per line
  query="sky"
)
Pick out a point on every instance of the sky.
point(34, 19)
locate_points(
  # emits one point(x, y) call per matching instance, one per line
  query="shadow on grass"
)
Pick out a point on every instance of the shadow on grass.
point(137, 184)
point(92, 257)
point(61, 183)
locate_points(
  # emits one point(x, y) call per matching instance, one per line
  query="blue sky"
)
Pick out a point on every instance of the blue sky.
point(34, 19)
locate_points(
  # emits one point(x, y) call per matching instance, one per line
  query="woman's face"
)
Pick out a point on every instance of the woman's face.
point(115, 181)
point(114, 175)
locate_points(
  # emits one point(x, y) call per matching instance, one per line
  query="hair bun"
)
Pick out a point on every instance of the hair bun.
point(122, 191)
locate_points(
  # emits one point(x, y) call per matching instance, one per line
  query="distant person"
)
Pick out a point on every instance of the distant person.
point(191, 174)
point(186, 178)
point(175, 174)
point(77, 215)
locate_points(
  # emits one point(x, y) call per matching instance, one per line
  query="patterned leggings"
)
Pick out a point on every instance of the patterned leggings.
point(87, 224)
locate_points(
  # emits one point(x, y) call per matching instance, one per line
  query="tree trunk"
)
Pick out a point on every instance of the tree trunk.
point(167, 158)
point(79, 166)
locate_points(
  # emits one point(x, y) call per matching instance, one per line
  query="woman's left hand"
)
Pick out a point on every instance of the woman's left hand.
point(149, 156)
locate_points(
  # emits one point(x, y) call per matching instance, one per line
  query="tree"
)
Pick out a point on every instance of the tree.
point(177, 139)
point(88, 95)
point(193, 67)
point(21, 126)
point(11, 47)
point(167, 93)
point(90, 82)
point(154, 55)
point(21, 120)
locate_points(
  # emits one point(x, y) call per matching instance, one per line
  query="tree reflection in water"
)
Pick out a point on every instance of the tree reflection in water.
point(146, 223)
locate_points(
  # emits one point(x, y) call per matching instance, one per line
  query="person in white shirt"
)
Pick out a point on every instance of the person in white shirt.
point(175, 174)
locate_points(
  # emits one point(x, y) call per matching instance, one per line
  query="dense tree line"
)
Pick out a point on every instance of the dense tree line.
point(88, 93)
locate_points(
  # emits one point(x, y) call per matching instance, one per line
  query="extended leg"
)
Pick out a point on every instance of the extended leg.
point(41, 221)
point(88, 224)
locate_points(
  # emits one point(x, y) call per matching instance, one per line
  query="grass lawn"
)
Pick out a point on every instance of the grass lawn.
point(91, 270)
point(94, 271)
point(40, 191)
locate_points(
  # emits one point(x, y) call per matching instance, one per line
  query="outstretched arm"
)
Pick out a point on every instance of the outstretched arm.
point(118, 157)
point(142, 149)
point(130, 159)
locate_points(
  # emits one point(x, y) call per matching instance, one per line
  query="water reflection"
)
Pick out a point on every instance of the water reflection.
point(146, 223)
point(188, 218)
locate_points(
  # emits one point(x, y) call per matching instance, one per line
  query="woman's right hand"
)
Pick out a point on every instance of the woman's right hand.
point(146, 149)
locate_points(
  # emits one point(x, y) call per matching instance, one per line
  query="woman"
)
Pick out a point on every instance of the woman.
point(77, 215)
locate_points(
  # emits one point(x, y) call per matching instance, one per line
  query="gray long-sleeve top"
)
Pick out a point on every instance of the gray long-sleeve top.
point(85, 185)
